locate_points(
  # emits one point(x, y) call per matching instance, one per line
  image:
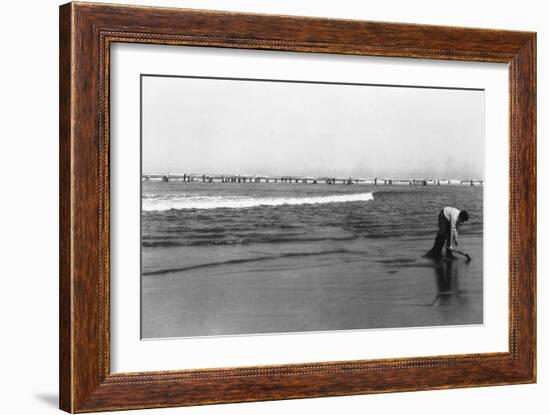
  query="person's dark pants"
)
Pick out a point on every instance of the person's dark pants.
point(443, 237)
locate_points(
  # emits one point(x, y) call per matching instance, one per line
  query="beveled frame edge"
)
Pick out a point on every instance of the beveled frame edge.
point(86, 33)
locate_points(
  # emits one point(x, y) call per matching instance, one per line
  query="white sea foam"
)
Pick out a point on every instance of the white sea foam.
point(232, 202)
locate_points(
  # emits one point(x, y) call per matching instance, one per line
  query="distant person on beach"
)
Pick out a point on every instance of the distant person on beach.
point(449, 220)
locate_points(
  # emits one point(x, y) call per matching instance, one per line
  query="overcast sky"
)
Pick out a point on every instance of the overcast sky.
point(281, 128)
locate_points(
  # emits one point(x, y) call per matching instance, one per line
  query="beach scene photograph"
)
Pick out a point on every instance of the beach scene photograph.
point(289, 206)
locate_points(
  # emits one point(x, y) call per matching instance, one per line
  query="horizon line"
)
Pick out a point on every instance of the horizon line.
point(302, 176)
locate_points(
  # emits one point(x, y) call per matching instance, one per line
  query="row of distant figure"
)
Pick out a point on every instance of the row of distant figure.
point(305, 180)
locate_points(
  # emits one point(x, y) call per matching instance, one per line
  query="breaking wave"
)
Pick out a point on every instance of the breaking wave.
point(179, 202)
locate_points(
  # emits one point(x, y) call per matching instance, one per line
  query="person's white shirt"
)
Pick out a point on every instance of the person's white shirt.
point(451, 214)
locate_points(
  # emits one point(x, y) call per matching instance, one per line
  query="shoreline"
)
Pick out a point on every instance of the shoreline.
point(336, 285)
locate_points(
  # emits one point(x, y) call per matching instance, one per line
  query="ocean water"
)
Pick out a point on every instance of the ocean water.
point(239, 258)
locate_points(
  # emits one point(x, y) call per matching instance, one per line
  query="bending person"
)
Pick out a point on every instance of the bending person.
point(449, 219)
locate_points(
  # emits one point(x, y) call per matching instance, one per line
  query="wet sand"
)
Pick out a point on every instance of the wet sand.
point(337, 285)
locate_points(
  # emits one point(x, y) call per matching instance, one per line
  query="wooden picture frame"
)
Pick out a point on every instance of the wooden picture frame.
point(86, 33)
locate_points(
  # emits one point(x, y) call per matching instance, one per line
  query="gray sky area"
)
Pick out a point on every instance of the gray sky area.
point(280, 128)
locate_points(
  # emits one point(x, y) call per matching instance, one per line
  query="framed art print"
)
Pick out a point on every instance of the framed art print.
point(260, 207)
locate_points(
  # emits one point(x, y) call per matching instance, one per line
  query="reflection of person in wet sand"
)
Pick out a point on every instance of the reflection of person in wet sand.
point(449, 219)
point(447, 283)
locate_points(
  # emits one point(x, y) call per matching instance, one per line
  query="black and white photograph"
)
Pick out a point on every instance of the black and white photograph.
point(296, 207)
point(290, 206)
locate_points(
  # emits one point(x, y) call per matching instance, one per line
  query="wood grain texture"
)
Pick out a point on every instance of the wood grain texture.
point(65, 248)
point(86, 33)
